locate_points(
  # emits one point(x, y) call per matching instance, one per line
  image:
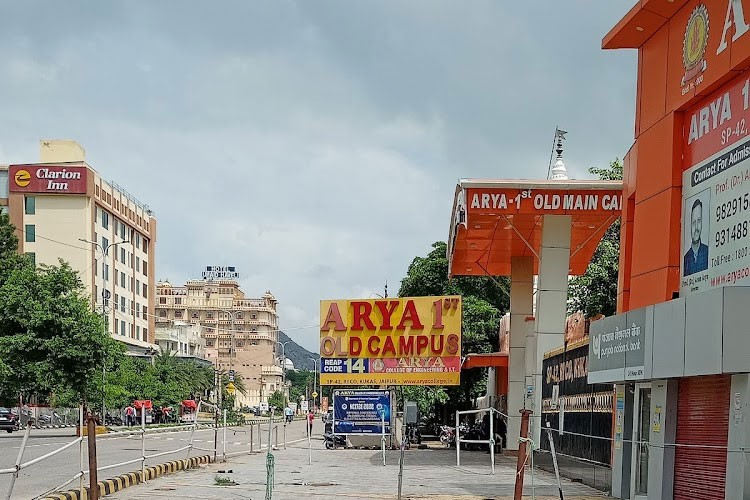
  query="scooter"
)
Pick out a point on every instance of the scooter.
point(334, 440)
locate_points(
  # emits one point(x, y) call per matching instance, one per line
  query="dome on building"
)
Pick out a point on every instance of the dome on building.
point(288, 364)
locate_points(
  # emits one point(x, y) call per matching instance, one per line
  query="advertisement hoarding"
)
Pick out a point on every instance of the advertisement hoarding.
point(400, 341)
point(361, 411)
point(716, 191)
point(64, 179)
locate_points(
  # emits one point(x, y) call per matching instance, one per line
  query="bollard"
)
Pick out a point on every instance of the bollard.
point(520, 465)
point(224, 438)
point(91, 438)
point(143, 443)
point(80, 449)
point(285, 433)
point(276, 435)
point(251, 437)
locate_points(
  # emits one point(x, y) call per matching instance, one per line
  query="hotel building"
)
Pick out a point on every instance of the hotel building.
point(241, 333)
point(63, 209)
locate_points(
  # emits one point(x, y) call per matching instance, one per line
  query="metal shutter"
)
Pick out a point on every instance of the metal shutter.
point(702, 419)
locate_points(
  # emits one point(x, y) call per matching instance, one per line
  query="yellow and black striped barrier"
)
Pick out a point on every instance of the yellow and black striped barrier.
point(109, 486)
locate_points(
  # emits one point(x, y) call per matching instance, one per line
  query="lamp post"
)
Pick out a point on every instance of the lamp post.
point(231, 336)
point(283, 363)
point(105, 298)
point(315, 380)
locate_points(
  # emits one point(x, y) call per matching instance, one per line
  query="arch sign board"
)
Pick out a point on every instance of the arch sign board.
point(399, 341)
point(716, 190)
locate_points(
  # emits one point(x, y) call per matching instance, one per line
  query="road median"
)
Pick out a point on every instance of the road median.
point(118, 483)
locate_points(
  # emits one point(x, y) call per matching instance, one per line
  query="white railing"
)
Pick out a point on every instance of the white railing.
point(490, 441)
point(262, 424)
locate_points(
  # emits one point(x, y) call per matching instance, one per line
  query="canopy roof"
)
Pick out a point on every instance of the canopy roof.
point(495, 220)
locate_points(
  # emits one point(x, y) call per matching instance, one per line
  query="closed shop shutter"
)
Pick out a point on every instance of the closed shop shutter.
point(702, 419)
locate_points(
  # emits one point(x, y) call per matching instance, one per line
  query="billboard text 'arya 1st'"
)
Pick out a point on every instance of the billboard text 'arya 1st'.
point(399, 341)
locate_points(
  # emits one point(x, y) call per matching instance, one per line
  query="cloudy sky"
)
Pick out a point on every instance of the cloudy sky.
point(313, 144)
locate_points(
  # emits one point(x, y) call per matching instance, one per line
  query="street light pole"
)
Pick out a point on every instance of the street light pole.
point(315, 379)
point(283, 363)
point(105, 298)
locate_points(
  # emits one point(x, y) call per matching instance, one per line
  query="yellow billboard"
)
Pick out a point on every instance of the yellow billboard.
point(399, 341)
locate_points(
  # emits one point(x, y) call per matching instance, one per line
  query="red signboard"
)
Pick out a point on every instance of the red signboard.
point(510, 201)
point(48, 179)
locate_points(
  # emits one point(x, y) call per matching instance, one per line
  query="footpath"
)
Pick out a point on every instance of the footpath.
point(429, 474)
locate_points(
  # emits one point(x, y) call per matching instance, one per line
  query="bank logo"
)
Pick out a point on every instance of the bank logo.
point(22, 178)
point(596, 343)
point(694, 45)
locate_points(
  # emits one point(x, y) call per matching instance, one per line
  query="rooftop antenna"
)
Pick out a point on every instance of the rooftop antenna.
point(558, 171)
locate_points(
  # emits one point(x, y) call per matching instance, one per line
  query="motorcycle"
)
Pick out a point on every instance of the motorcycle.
point(447, 436)
point(475, 433)
point(334, 440)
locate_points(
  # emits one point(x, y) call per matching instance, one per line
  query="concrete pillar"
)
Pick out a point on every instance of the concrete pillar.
point(623, 440)
point(663, 427)
point(521, 307)
point(551, 304)
point(738, 440)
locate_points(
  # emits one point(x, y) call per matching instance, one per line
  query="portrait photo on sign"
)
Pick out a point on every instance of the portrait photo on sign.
point(696, 221)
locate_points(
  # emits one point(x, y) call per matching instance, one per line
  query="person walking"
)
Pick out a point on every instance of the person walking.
point(129, 416)
point(310, 420)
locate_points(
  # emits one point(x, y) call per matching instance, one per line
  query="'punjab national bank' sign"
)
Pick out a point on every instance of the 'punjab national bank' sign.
point(400, 341)
point(62, 179)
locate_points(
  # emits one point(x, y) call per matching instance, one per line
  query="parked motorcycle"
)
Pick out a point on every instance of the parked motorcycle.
point(447, 436)
point(334, 441)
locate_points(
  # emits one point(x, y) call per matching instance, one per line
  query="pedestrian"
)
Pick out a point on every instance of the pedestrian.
point(129, 416)
point(289, 414)
point(310, 420)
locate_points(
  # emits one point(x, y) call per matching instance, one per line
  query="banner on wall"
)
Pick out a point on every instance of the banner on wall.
point(716, 191)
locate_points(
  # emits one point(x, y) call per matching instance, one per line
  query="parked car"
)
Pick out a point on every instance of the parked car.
point(8, 420)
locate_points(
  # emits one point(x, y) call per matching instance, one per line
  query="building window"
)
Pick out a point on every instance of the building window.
point(145, 291)
point(195, 315)
point(30, 233)
point(105, 271)
point(209, 315)
point(145, 334)
point(32, 258)
point(178, 314)
point(254, 316)
point(116, 326)
point(3, 208)
point(138, 289)
point(122, 255)
point(122, 279)
point(138, 264)
point(105, 243)
point(137, 240)
point(162, 313)
point(3, 183)
point(240, 315)
point(122, 233)
point(105, 220)
point(138, 333)
point(178, 300)
point(145, 268)
point(145, 312)
point(162, 300)
point(122, 327)
point(122, 304)
point(209, 343)
point(29, 205)
point(145, 245)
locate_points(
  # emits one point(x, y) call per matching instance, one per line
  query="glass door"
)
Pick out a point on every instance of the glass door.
point(641, 436)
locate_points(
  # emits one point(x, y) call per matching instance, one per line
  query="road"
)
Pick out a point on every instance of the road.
point(114, 448)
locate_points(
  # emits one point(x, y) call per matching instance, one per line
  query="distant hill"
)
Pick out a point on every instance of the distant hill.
point(298, 354)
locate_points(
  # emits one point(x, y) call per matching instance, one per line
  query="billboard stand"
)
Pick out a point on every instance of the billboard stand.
point(382, 435)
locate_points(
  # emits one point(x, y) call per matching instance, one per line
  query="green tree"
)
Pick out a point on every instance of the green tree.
point(595, 291)
point(277, 400)
point(50, 338)
point(485, 300)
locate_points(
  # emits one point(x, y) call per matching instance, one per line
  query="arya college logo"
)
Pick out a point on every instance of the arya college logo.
point(694, 44)
point(22, 178)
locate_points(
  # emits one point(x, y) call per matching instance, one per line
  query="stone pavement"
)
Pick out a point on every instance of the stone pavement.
point(357, 474)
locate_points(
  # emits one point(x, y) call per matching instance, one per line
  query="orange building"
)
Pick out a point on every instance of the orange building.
point(678, 348)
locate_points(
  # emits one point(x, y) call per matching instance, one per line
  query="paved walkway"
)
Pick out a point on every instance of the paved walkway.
point(357, 474)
